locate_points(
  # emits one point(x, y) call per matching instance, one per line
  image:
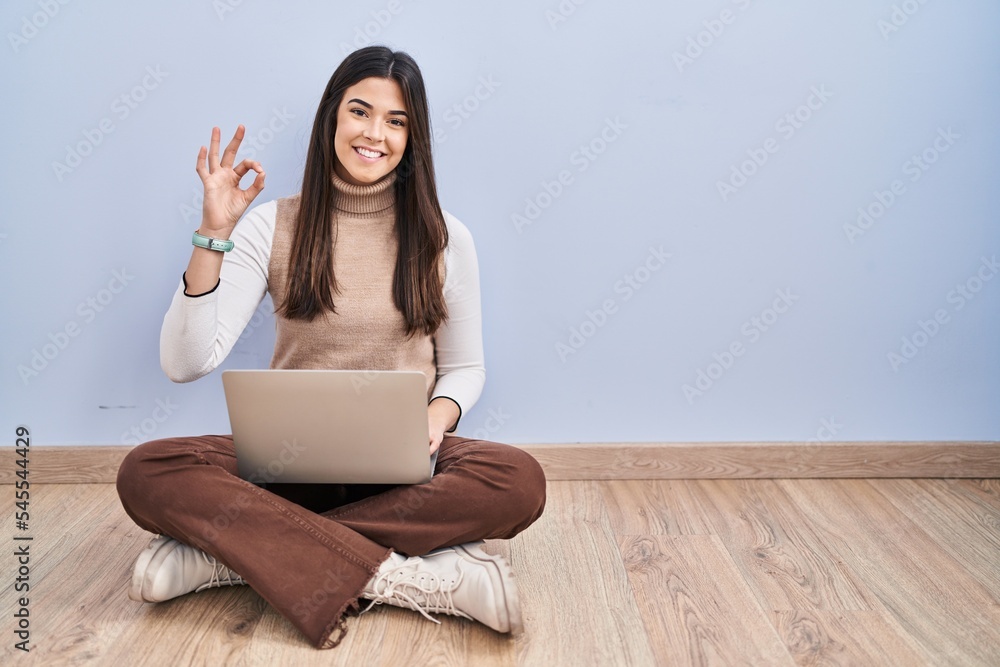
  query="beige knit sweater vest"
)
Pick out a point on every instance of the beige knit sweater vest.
point(367, 332)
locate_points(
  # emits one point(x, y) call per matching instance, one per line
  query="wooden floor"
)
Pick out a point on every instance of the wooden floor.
point(672, 572)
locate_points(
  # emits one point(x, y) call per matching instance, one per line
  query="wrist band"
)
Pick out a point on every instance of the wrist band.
point(210, 243)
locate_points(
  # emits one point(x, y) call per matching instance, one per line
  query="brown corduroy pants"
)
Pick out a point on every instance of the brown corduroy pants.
point(309, 549)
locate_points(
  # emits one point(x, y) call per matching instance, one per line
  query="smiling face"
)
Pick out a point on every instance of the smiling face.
point(372, 131)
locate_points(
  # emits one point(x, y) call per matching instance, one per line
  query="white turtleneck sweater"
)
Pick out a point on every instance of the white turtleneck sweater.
point(199, 331)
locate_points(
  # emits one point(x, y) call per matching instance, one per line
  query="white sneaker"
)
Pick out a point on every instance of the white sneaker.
point(462, 581)
point(168, 568)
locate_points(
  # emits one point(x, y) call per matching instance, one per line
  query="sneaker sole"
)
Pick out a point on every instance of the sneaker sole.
point(512, 603)
point(140, 586)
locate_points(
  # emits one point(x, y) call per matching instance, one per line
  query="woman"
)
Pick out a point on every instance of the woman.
point(366, 272)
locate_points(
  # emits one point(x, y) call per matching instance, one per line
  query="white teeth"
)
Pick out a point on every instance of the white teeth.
point(368, 153)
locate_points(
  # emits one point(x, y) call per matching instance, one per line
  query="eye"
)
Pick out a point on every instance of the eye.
point(358, 112)
point(397, 122)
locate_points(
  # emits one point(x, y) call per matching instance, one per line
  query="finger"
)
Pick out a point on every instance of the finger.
point(213, 151)
point(234, 145)
point(256, 186)
point(245, 166)
point(200, 165)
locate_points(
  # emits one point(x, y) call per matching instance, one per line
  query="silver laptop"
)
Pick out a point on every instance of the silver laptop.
point(335, 427)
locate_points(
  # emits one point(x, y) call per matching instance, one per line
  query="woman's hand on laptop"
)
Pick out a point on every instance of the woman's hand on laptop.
point(437, 435)
point(442, 413)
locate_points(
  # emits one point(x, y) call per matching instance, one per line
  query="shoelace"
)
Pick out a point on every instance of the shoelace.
point(435, 597)
point(222, 576)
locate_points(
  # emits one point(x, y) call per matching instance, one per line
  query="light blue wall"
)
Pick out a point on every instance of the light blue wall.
point(887, 81)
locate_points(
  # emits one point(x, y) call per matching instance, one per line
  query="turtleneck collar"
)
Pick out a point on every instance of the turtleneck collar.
point(365, 201)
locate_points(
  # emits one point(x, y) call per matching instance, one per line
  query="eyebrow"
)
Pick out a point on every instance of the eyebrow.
point(369, 106)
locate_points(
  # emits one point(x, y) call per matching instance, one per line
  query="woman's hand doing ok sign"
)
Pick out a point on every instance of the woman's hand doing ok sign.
point(224, 201)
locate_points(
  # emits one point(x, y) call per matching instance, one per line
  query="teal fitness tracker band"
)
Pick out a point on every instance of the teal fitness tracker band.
point(210, 243)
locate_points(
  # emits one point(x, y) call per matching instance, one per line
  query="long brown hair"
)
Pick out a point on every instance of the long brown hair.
point(417, 285)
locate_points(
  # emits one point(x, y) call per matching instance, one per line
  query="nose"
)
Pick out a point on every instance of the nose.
point(373, 132)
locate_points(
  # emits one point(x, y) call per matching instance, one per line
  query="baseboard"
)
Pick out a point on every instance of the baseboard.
point(690, 460)
point(769, 460)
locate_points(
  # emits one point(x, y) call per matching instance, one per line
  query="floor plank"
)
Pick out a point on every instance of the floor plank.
point(696, 607)
point(578, 606)
point(942, 513)
point(983, 498)
point(776, 548)
point(653, 507)
point(831, 638)
point(926, 591)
